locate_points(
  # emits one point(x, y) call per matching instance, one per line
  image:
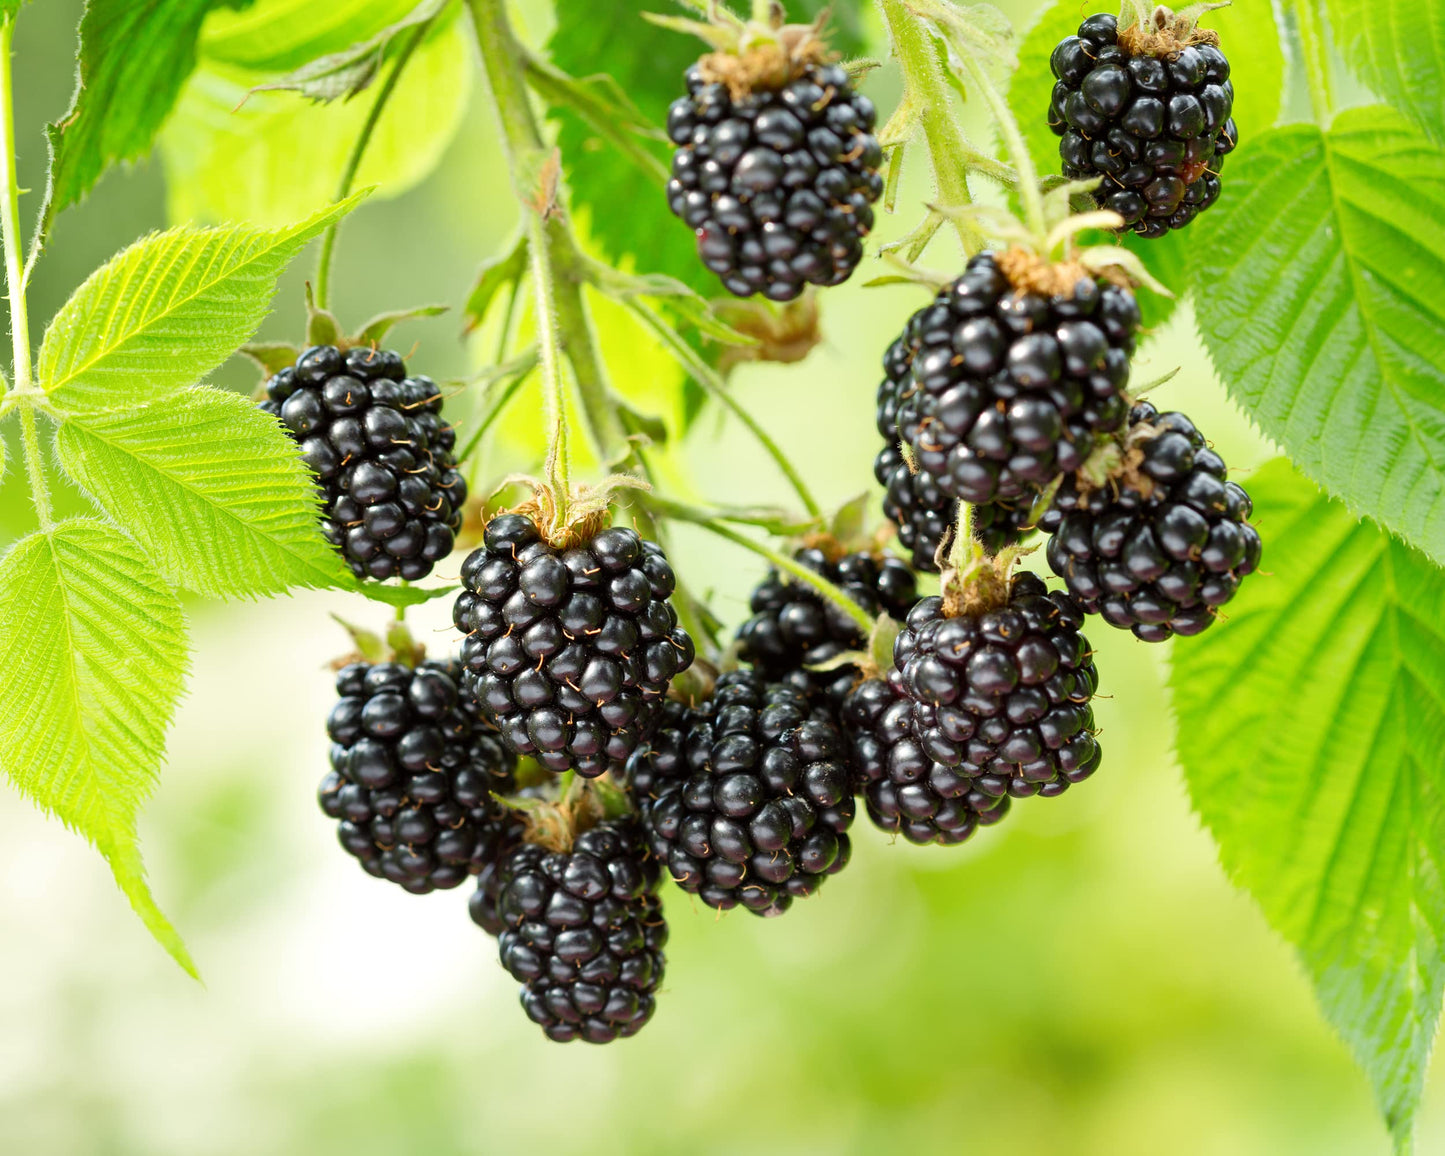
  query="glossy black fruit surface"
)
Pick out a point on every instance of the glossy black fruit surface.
point(413, 774)
point(1159, 550)
point(1156, 129)
point(569, 652)
point(777, 186)
point(382, 456)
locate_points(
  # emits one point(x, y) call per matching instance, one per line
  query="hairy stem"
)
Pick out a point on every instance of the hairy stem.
point(39, 488)
point(684, 513)
point(1315, 56)
point(549, 346)
point(358, 150)
point(1013, 138)
point(923, 84)
point(10, 217)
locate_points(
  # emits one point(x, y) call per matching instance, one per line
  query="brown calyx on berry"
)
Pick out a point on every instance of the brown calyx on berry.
point(1166, 33)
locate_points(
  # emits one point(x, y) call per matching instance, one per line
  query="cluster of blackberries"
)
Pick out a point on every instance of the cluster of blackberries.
point(382, 456)
point(1153, 124)
point(569, 651)
point(778, 185)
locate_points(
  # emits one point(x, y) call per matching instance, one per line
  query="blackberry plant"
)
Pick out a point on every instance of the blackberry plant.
point(598, 756)
point(1145, 107)
point(776, 168)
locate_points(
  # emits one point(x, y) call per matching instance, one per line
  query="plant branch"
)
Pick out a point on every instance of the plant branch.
point(684, 513)
point(358, 151)
point(10, 218)
point(1008, 126)
point(1315, 56)
point(924, 86)
point(39, 488)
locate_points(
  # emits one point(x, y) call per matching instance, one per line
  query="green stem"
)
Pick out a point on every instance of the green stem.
point(923, 83)
point(10, 217)
point(684, 513)
point(963, 543)
point(39, 488)
point(1018, 149)
point(707, 377)
point(549, 347)
point(553, 244)
point(1315, 55)
point(358, 150)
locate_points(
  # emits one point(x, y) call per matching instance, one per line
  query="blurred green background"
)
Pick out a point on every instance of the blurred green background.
point(1081, 979)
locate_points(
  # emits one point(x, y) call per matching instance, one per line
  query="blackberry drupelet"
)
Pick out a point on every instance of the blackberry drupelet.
point(794, 627)
point(1162, 546)
point(582, 930)
point(778, 185)
point(569, 651)
point(382, 456)
point(758, 809)
point(413, 771)
point(1008, 388)
point(1149, 113)
point(914, 502)
point(1002, 697)
point(905, 791)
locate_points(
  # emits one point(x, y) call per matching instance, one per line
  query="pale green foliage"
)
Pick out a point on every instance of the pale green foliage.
point(277, 157)
point(166, 311)
point(92, 646)
point(134, 57)
point(1398, 48)
point(212, 489)
point(279, 35)
point(1321, 295)
point(1311, 726)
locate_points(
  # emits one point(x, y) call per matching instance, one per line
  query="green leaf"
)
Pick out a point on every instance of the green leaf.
point(211, 486)
point(1311, 721)
point(379, 326)
point(275, 158)
point(1320, 290)
point(1398, 48)
point(92, 660)
point(344, 74)
point(495, 275)
point(134, 57)
point(403, 596)
point(647, 64)
point(1247, 35)
point(166, 311)
point(279, 35)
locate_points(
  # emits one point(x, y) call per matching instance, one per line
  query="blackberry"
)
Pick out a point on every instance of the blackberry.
point(413, 771)
point(923, 514)
point(382, 455)
point(758, 809)
point(794, 627)
point(1001, 697)
point(1149, 114)
point(1166, 544)
point(1008, 388)
point(905, 791)
point(569, 651)
point(778, 185)
point(582, 930)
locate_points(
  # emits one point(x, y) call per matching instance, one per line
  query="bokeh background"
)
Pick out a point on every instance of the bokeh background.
point(1081, 979)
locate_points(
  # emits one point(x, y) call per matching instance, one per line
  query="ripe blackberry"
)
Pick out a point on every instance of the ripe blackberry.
point(758, 810)
point(777, 184)
point(905, 791)
point(1149, 113)
point(1008, 388)
point(914, 502)
point(382, 456)
point(582, 930)
point(1001, 697)
point(413, 771)
point(794, 627)
point(1163, 546)
point(569, 651)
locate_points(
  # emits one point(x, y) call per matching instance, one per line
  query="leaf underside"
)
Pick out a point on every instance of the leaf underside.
point(1311, 726)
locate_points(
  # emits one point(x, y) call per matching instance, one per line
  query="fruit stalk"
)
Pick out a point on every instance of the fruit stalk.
point(1008, 127)
point(923, 83)
point(502, 59)
point(358, 150)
